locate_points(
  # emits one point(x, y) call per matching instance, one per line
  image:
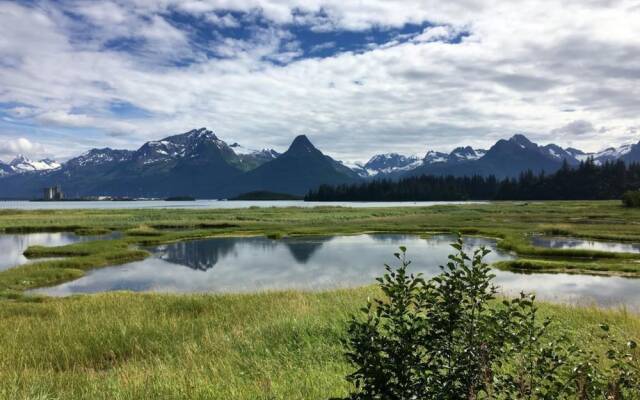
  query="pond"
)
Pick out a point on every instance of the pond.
point(314, 263)
point(12, 246)
point(584, 244)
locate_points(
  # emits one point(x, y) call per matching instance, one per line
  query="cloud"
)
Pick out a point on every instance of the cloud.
point(12, 147)
point(226, 20)
point(436, 33)
point(576, 128)
point(322, 46)
point(238, 68)
point(62, 118)
point(21, 112)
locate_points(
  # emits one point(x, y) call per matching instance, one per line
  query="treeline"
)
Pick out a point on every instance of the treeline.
point(586, 181)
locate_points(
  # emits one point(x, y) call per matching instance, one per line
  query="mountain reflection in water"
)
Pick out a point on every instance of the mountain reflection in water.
point(250, 264)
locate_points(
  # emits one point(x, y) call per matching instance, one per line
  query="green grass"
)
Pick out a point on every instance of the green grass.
point(283, 345)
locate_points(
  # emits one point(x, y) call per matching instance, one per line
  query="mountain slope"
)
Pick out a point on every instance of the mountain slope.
point(301, 168)
point(506, 158)
point(633, 155)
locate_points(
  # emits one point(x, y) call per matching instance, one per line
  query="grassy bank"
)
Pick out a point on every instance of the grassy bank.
point(261, 346)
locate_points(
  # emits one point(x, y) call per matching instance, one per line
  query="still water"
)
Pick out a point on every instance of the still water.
point(12, 247)
point(213, 204)
point(584, 244)
point(255, 264)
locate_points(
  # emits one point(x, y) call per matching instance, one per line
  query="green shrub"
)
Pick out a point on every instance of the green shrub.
point(449, 338)
point(631, 198)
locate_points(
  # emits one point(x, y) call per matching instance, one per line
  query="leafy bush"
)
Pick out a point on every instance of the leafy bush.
point(449, 338)
point(631, 198)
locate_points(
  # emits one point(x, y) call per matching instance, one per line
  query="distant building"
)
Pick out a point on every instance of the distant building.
point(53, 193)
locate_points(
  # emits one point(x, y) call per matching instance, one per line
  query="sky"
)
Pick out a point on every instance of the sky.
point(358, 77)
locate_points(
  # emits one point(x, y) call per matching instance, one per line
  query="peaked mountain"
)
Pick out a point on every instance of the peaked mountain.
point(299, 169)
point(511, 157)
point(506, 158)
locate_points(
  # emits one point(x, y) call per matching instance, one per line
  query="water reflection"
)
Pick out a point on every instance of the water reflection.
point(12, 247)
point(607, 291)
point(584, 244)
point(205, 254)
point(258, 263)
point(253, 264)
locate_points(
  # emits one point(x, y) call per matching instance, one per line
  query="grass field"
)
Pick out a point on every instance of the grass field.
point(282, 345)
point(264, 346)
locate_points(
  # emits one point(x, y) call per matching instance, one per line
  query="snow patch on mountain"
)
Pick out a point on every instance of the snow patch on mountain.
point(609, 154)
point(613, 153)
point(245, 151)
point(433, 157)
point(467, 153)
point(385, 164)
point(95, 157)
point(23, 164)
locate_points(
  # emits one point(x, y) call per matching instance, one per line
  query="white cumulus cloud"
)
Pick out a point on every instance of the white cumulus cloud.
point(520, 66)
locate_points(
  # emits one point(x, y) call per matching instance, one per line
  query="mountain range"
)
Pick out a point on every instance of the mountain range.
point(199, 164)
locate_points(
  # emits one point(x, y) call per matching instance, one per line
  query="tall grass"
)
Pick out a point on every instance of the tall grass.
point(283, 345)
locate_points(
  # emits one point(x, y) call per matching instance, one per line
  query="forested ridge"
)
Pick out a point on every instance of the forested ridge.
point(586, 181)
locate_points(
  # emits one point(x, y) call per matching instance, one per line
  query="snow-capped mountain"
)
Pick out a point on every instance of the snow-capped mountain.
point(22, 164)
point(460, 154)
point(435, 157)
point(196, 163)
point(385, 164)
point(185, 145)
point(190, 144)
